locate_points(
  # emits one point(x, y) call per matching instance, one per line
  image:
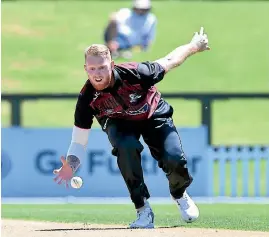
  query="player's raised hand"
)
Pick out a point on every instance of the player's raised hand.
point(200, 41)
point(64, 174)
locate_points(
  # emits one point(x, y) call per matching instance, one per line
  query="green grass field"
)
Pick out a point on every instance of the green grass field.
point(42, 51)
point(241, 217)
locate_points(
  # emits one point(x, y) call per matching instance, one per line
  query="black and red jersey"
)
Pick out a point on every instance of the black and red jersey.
point(133, 96)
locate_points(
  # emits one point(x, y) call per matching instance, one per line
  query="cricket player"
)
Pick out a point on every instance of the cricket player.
point(130, 29)
point(126, 103)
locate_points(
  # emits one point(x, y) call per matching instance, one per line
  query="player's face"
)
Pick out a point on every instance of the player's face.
point(99, 70)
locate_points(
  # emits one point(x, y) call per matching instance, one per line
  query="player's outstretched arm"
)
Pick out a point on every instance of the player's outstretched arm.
point(198, 43)
point(83, 119)
point(75, 154)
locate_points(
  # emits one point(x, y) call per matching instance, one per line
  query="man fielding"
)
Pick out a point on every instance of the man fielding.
point(126, 103)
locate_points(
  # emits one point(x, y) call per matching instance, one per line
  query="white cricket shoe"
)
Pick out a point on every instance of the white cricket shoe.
point(145, 219)
point(189, 211)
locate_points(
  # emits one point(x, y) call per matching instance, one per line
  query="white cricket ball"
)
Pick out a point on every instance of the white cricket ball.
point(76, 182)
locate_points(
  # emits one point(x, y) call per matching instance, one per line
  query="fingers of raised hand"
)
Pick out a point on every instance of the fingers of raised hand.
point(57, 178)
point(201, 30)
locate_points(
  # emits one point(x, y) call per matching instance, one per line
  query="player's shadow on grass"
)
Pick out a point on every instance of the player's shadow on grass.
point(104, 228)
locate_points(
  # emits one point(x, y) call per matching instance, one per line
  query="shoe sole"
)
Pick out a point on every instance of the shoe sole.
point(150, 226)
point(191, 220)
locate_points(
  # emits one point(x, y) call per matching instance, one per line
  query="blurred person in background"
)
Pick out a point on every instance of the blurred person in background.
point(131, 29)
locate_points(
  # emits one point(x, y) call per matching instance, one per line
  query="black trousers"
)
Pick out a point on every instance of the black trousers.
point(164, 143)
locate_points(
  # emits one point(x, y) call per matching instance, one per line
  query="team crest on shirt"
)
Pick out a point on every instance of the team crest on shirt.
point(96, 95)
point(134, 97)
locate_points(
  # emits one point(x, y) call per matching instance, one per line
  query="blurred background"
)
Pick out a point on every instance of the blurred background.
point(226, 89)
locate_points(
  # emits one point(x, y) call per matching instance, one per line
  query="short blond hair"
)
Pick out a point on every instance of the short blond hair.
point(97, 50)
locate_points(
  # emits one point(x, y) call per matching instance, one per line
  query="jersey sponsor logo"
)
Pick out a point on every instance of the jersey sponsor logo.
point(109, 111)
point(142, 110)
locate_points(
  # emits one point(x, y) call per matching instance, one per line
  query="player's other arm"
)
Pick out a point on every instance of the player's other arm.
point(174, 59)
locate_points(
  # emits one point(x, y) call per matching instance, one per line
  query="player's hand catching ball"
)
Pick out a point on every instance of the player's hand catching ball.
point(200, 41)
point(64, 174)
